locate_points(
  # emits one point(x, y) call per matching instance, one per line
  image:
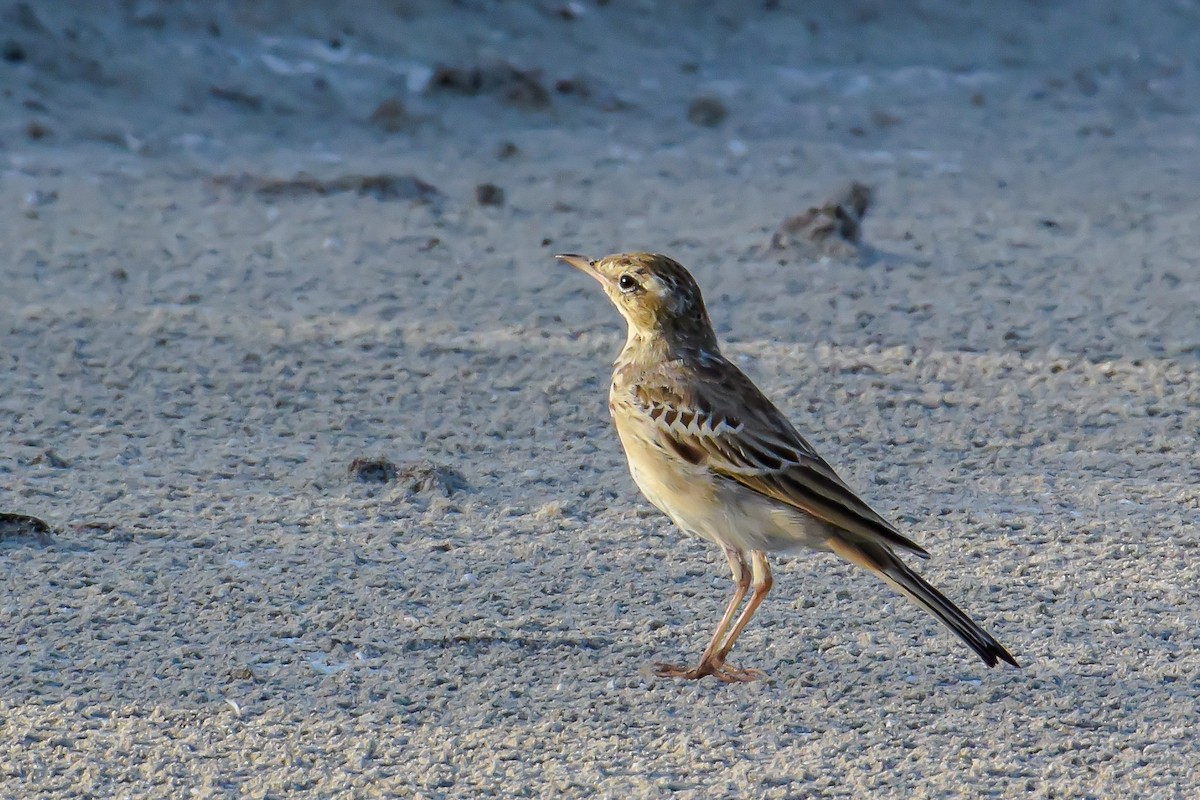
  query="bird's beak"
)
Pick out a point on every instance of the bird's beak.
point(581, 263)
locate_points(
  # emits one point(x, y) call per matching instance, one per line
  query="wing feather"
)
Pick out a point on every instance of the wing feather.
point(762, 452)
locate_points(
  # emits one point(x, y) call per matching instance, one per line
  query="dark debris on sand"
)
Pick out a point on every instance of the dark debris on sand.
point(489, 194)
point(381, 186)
point(426, 477)
point(833, 228)
point(419, 477)
point(373, 470)
point(707, 111)
point(18, 526)
point(515, 86)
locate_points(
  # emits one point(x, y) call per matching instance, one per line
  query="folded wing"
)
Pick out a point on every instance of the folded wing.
point(759, 449)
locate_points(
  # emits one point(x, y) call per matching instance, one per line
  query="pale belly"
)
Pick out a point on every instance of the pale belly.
point(715, 508)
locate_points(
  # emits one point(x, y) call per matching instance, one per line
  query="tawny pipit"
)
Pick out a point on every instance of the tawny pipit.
point(712, 453)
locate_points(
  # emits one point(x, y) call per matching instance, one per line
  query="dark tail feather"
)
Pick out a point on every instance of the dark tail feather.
point(897, 574)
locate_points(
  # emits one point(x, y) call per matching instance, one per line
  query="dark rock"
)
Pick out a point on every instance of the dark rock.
point(489, 194)
point(13, 52)
point(373, 470)
point(707, 111)
point(14, 526)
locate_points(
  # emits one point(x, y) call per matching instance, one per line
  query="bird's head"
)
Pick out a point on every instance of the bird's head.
point(655, 294)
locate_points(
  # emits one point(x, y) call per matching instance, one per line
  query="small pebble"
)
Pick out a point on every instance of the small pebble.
point(12, 52)
point(390, 116)
point(36, 130)
point(489, 194)
point(707, 111)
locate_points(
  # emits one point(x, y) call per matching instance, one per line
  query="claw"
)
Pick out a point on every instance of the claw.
point(719, 670)
point(727, 674)
point(664, 670)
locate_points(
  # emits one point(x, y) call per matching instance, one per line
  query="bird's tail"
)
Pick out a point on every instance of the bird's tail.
point(878, 559)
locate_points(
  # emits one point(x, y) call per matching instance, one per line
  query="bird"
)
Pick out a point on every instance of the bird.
point(708, 449)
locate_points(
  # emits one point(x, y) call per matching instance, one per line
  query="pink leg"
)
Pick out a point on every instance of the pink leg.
point(762, 585)
point(708, 661)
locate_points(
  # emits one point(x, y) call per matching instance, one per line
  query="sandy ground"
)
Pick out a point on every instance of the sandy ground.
point(215, 299)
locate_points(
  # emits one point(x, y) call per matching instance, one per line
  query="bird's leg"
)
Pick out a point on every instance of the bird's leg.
point(762, 585)
point(709, 662)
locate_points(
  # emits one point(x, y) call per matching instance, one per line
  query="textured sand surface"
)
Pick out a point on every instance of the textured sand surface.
point(193, 356)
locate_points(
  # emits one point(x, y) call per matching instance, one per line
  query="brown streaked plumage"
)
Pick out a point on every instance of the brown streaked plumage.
point(716, 456)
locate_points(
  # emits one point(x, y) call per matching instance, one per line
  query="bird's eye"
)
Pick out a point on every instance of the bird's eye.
point(628, 283)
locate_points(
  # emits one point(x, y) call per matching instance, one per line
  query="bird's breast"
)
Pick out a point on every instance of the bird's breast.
point(681, 490)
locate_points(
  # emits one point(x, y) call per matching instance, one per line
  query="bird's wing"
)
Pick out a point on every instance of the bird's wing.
point(728, 425)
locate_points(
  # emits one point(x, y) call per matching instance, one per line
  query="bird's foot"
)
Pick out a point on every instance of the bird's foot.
point(718, 669)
